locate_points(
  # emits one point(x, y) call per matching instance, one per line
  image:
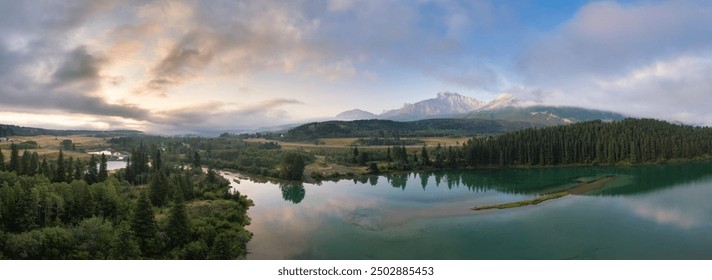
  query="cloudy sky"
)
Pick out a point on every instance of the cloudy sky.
point(192, 66)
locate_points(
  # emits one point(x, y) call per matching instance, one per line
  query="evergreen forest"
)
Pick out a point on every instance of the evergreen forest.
point(66, 208)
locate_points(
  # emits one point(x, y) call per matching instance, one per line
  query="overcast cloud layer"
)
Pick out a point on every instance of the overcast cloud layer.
point(194, 66)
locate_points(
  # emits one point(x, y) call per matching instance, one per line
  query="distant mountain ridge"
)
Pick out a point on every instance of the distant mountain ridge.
point(546, 115)
point(15, 130)
point(395, 129)
point(503, 107)
point(356, 114)
point(446, 103)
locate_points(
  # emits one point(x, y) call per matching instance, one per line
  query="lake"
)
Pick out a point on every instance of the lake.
point(115, 164)
point(646, 212)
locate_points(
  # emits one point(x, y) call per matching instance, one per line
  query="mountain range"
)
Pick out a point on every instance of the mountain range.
point(15, 130)
point(503, 107)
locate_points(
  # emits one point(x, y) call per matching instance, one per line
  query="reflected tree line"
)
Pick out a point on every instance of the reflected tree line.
point(532, 180)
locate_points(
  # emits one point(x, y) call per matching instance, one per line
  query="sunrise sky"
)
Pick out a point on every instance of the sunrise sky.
point(191, 66)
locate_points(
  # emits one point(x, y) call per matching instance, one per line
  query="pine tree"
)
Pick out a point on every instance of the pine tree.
point(158, 189)
point(355, 154)
point(363, 159)
point(78, 170)
point(34, 164)
point(178, 225)
point(157, 160)
point(14, 158)
point(24, 163)
point(373, 168)
point(60, 172)
point(451, 159)
point(2, 161)
point(124, 245)
point(26, 207)
point(129, 174)
point(69, 166)
point(143, 224)
point(45, 169)
point(424, 157)
point(230, 244)
point(103, 172)
point(439, 160)
point(92, 174)
point(196, 160)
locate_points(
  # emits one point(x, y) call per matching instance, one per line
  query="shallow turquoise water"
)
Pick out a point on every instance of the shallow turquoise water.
point(650, 212)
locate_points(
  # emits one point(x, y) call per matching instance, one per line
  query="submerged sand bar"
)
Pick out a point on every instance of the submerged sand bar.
point(580, 189)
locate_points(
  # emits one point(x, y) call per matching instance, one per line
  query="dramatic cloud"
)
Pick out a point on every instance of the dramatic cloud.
point(71, 87)
point(39, 73)
point(609, 39)
point(647, 59)
point(216, 65)
point(215, 117)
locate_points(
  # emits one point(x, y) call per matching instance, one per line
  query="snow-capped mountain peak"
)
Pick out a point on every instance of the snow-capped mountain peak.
point(445, 103)
point(501, 101)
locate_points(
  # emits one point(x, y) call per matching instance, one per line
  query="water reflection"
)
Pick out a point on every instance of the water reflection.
point(373, 180)
point(398, 180)
point(428, 216)
point(293, 192)
point(535, 181)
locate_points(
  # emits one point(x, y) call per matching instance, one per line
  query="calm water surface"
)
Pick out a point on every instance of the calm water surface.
point(115, 164)
point(650, 212)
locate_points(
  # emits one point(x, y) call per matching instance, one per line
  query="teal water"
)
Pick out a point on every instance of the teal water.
point(648, 212)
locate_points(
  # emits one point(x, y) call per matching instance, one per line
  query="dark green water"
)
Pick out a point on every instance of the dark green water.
point(649, 212)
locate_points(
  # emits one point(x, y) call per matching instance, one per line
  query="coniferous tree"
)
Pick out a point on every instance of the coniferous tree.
point(45, 168)
point(124, 245)
point(363, 158)
point(14, 158)
point(24, 163)
point(223, 248)
point(178, 225)
point(137, 166)
point(143, 224)
point(196, 160)
point(157, 160)
point(424, 157)
point(373, 168)
point(25, 212)
point(103, 172)
point(355, 155)
point(92, 174)
point(2, 161)
point(451, 157)
point(129, 174)
point(78, 170)
point(34, 164)
point(60, 172)
point(158, 189)
point(69, 165)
